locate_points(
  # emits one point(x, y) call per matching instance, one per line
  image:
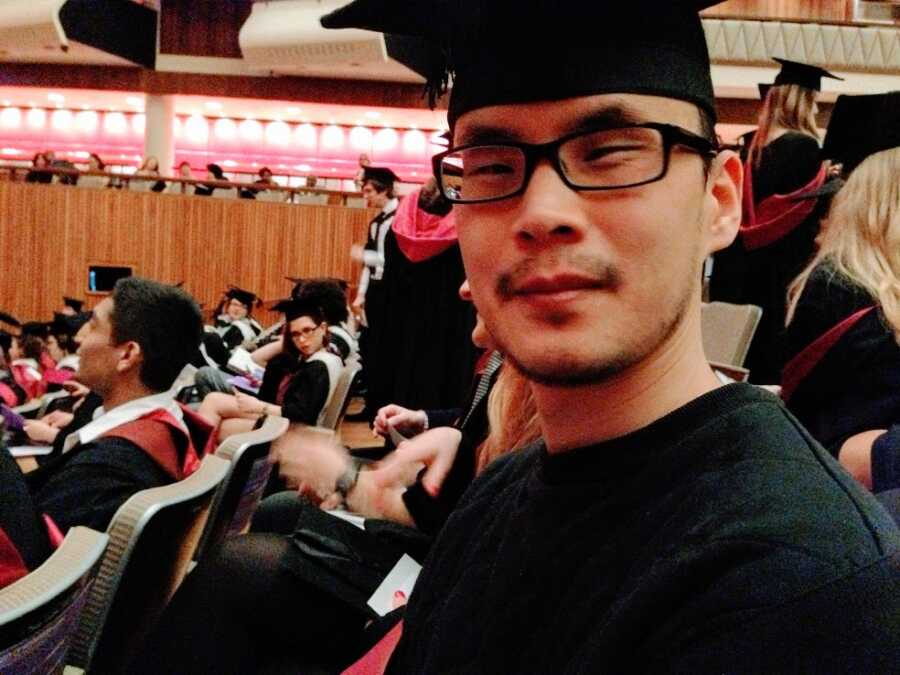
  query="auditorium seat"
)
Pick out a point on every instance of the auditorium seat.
point(239, 493)
point(336, 407)
point(39, 612)
point(727, 331)
point(153, 537)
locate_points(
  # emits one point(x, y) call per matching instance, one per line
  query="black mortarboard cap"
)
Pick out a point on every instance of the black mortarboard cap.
point(64, 324)
point(9, 319)
point(245, 297)
point(381, 174)
point(328, 294)
point(36, 328)
point(861, 126)
point(293, 308)
point(803, 74)
point(74, 303)
point(505, 51)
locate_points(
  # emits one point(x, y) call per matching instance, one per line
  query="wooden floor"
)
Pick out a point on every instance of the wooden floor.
point(358, 434)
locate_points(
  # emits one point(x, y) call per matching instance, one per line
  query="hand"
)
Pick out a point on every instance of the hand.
point(76, 389)
point(407, 422)
point(359, 304)
point(311, 463)
point(249, 405)
point(435, 448)
point(40, 432)
point(357, 253)
point(58, 419)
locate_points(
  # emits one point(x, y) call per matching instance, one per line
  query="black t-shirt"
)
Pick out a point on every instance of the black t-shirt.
point(671, 549)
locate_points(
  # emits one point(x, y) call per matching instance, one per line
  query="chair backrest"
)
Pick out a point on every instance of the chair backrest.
point(239, 493)
point(336, 407)
point(39, 612)
point(727, 331)
point(152, 540)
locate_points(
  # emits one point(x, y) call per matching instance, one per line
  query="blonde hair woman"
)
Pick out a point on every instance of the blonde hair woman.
point(843, 324)
point(777, 231)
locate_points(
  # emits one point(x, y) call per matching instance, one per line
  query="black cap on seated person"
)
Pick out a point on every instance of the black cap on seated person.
point(64, 324)
point(861, 126)
point(10, 320)
point(802, 74)
point(74, 303)
point(246, 298)
point(36, 328)
point(294, 308)
point(522, 51)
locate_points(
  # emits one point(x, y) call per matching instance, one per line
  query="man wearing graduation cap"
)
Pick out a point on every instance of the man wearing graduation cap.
point(666, 522)
point(378, 192)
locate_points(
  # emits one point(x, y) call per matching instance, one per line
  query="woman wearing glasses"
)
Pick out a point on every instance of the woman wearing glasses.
point(301, 375)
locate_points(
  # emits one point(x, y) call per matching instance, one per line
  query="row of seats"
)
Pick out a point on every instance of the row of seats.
point(91, 604)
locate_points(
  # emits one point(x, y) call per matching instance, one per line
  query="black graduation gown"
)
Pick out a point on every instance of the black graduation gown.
point(305, 394)
point(720, 538)
point(761, 276)
point(88, 484)
point(425, 357)
point(856, 385)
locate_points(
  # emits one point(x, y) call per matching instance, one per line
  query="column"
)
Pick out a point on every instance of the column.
point(159, 134)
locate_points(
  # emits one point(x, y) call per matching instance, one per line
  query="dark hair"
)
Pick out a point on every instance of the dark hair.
point(66, 342)
point(101, 165)
point(39, 155)
point(32, 346)
point(380, 187)
point(164, 320)
point(326, 294)
point(317, 316)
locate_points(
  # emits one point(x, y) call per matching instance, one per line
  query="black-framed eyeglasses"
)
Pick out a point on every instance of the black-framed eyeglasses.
point(604, 159)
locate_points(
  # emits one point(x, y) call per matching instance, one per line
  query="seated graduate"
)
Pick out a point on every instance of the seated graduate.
point(63, 346)
point(843, 381)
point(234, 320)
point(25, 379)
point(233, 326)
point(132, 350)
point(301, 375)
point(331, 295)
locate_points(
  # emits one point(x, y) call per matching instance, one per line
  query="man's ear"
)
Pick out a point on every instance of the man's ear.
point(724, 194)
point(131, 357)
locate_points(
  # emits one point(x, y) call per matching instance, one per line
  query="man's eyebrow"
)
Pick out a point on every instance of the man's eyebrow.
point(606, 118)
point(603, 118)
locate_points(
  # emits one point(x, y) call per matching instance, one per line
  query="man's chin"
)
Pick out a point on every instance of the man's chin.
point(573, 370)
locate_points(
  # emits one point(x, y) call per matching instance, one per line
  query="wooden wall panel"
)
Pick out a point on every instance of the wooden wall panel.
point(806, 10)
point(202, 28)
point(49, 234)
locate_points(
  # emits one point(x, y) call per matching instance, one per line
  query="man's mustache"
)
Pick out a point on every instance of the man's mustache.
point(596, 269)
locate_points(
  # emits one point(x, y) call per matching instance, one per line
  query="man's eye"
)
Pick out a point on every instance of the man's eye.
point(489, 169)
point(612, 152)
